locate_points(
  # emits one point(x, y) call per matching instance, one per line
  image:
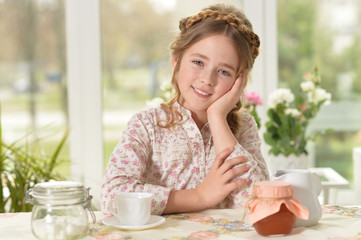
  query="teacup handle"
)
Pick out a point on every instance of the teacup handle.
point(111, 209)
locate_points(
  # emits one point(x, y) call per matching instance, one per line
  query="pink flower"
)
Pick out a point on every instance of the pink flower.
point(253, 98)
point(200, 219)
point(303, 107)
point(343, 238)
point(307, 76)
point(110, 236)
point(203, 235)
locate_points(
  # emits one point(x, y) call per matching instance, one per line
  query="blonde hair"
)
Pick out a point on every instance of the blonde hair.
point(215, 19)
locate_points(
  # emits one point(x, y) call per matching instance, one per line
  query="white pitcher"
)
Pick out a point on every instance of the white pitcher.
point(306, 188)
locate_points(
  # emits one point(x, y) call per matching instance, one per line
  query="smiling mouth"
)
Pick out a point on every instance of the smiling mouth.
point(200, 92)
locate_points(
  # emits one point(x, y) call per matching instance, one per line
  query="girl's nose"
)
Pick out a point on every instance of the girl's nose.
point(208, 78)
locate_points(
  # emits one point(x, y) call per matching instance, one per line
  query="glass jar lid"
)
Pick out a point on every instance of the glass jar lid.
point(57, 193)
point(61, 190)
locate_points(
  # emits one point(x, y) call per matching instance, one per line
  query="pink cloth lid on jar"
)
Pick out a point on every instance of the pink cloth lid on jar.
point(267, 198)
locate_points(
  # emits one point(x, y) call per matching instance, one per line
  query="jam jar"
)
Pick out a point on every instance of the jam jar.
point(60, 210)
point(272, 208)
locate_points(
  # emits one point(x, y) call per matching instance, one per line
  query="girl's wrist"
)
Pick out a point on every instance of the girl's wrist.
point(187, 200)
point(217, 122)
point(215, 117)
point(203, 200)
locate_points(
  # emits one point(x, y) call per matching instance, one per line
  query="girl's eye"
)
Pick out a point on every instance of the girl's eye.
point(198, 62)
point(225, 73)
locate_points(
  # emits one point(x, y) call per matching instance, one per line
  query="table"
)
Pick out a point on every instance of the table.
point(336, 223)
point(329, 179)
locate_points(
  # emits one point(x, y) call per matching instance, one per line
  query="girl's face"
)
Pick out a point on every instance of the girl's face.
point(207, 71)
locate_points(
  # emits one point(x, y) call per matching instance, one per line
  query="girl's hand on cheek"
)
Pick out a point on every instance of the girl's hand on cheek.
point(223, 105)
point(218, 182)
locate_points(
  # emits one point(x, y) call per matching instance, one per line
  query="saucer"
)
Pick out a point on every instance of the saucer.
point(154, 220)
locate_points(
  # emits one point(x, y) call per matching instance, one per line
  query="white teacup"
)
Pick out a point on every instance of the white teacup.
point(131, 208)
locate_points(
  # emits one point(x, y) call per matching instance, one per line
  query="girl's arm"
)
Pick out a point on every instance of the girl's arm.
point(214, 188)
point(246, 144)
point(249, 144)
point(217, 116)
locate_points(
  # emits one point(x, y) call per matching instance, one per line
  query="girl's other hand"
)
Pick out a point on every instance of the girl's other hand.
point(219, 181)
point(223, 105)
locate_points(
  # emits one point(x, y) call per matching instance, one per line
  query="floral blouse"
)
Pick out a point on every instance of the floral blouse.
point(152, 159)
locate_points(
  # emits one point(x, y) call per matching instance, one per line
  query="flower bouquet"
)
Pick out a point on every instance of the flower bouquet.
point(290, 114)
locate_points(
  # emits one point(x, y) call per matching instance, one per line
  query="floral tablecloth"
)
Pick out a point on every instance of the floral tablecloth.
point(337, 223)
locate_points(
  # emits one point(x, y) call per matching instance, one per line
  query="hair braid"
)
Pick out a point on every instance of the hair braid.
point(231, 19)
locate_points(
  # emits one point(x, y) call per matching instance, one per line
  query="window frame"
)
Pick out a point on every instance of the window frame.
point(84, 93)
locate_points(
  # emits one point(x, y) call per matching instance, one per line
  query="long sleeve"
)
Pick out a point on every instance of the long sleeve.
point(128, 165)
point(249, 144)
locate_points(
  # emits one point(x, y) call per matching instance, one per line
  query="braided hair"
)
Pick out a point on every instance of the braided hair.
point(216, 19)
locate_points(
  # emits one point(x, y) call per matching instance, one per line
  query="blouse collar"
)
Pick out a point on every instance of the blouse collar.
point(187, 114)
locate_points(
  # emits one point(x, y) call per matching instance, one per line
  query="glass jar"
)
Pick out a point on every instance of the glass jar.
point(59, 210)
point(273, 210)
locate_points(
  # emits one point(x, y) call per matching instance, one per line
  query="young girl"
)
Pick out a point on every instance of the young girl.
point(197, 151)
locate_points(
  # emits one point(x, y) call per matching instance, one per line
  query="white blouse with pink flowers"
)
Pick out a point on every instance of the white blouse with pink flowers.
point(152, 159)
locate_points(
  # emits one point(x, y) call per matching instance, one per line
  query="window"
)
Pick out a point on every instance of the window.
point(33, 91)
point(326, 33)
point(135, 39)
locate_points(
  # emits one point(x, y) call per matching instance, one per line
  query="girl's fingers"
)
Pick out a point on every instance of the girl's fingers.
point(237, 89)
point(238, 184)
point(231, 163)
point(237, 86)
point(221, 157)
point(243, 77)
point(235, 172)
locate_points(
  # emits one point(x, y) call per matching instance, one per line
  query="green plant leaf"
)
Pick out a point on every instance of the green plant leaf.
point(21, 167)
